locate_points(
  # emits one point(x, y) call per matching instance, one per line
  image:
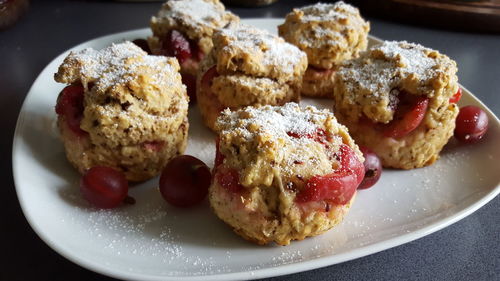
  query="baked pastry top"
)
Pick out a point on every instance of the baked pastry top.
point(197, 19)
point(254, 52)
point(328, 33)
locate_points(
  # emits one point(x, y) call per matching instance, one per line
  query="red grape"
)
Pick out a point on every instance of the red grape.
point(104, 187)
point(471, 124)
point(184, 181)
point(373, 168)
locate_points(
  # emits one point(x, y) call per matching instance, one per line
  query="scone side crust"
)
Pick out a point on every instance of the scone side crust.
point(317, 83)
point(418, 149)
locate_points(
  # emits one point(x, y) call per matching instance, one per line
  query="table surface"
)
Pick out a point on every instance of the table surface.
point(468, 249)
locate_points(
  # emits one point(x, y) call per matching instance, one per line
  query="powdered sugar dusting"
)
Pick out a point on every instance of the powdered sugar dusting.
point(382, 67)
point(325, 36)
point(328, 12)
point(275, 52)
point(412, 57)
point(336, 27)
point(118, 64)
point(146, 231)
point(276, 121)
point(197, 11)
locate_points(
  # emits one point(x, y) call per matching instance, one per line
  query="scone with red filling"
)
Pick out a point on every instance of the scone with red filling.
point(248, 66)
point(398, 99)
point(329, 34)
point(123, 109)
point(283, 173)
point(184, 28)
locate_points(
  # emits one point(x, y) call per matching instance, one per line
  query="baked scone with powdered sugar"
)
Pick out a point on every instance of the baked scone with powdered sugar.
point(123, 109)
point(397, 99)
point(329, 34)
point(283, 173)
point(184, 29)
point(248, 66)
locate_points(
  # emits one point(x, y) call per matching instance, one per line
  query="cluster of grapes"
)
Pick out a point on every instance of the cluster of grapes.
point(184, 182)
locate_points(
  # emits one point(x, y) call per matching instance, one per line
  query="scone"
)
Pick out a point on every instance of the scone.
point(283, 173)
point(248, 66)
point(122, 109)
point(184, 28)
point(396, 99)
point(328, 34)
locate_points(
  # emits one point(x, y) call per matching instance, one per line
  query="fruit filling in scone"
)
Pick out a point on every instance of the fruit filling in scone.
point(283, 173)
point(69, 107)
point(399, 99)
point(248, 67)
point(328, 34)
point(183, 29)
point(122, 109)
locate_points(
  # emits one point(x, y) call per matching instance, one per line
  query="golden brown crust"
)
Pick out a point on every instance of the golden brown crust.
point(257, 53)
point(197, 19)
point(327, 33)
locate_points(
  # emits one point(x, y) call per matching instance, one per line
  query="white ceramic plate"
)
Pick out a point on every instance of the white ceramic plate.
point(153, 241)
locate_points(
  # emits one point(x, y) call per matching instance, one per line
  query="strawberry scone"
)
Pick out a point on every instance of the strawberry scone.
point(283, 173)
point(248, 66)
point(184, 28)
point(398, 99)
point(329, 34)
point(122, 109)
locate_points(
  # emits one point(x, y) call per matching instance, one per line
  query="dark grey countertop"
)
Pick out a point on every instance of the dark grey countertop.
point(466, 250)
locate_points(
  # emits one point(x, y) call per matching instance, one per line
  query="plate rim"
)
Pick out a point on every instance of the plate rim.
point(252, 274)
